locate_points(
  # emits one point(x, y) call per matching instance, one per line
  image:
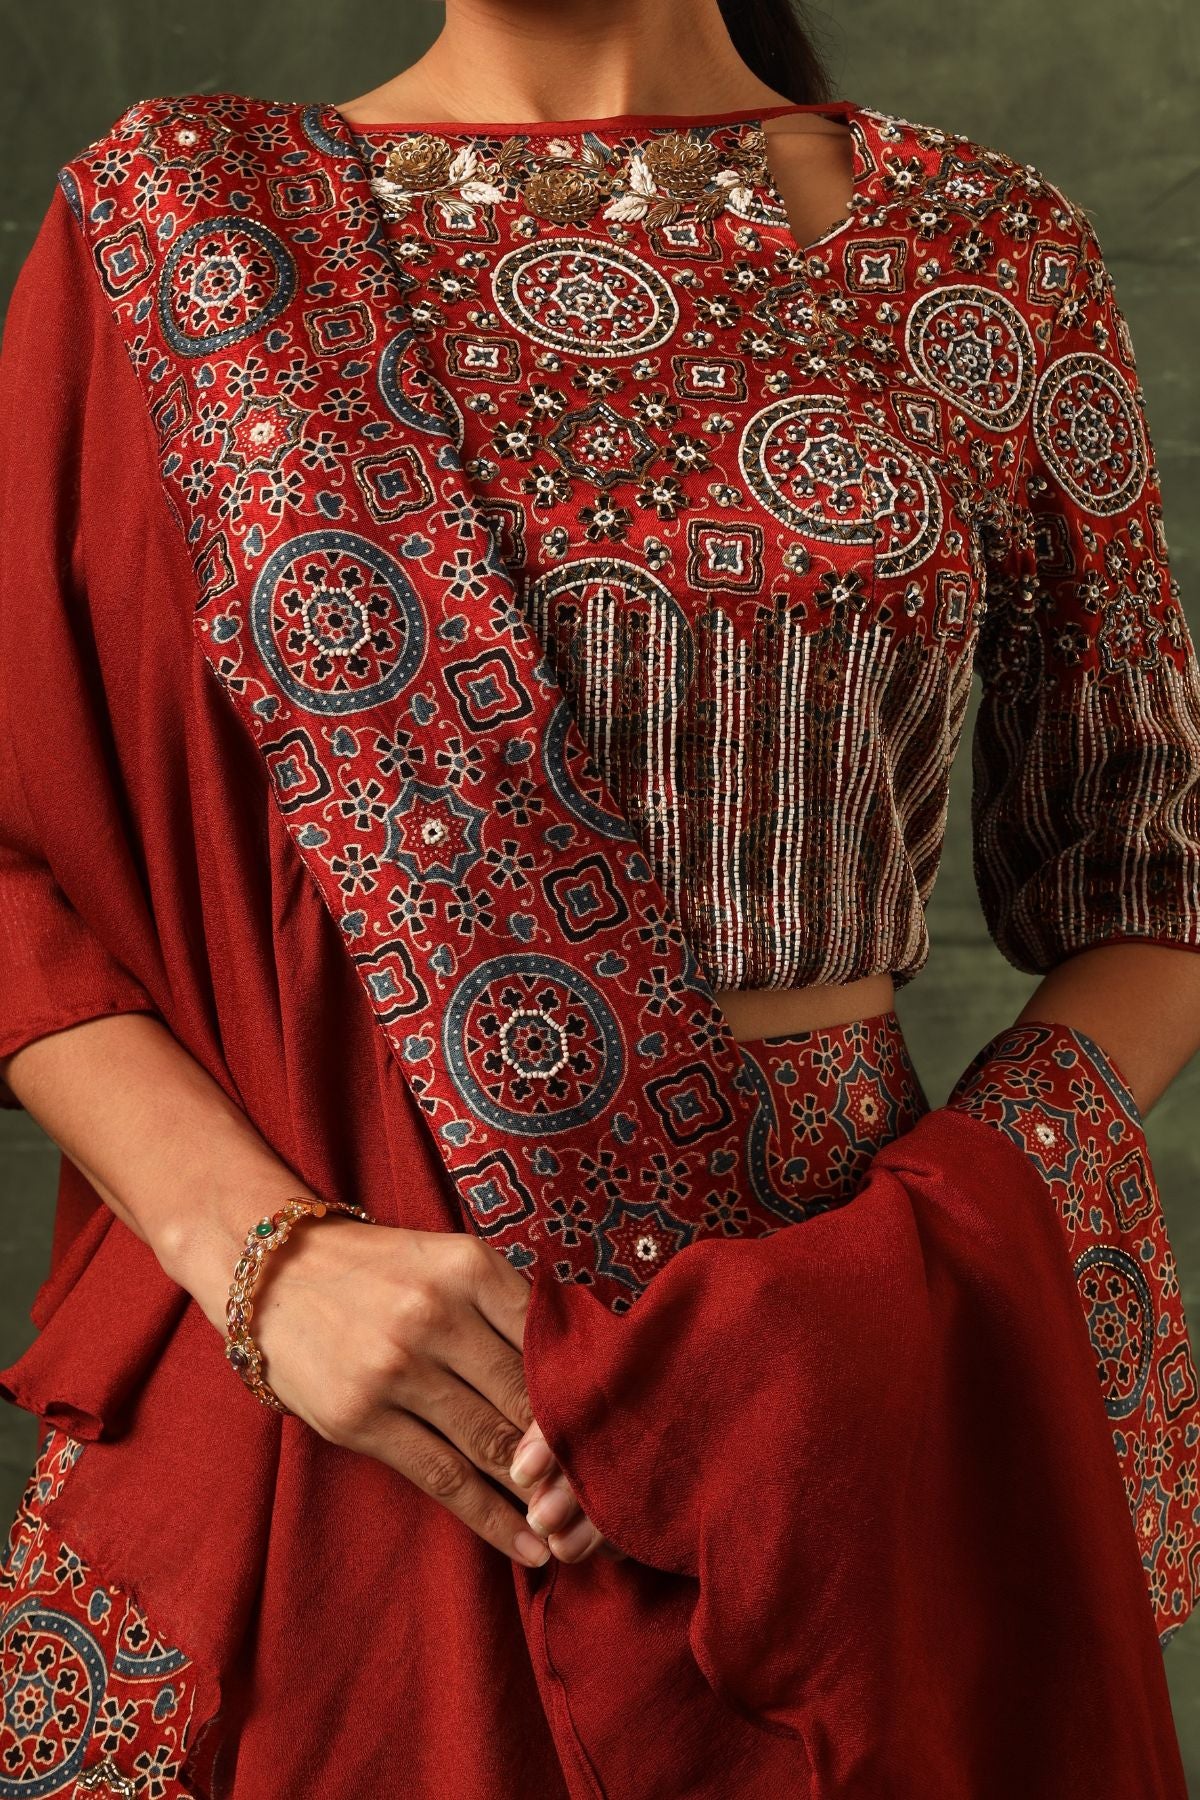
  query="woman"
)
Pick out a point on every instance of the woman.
point(586, 522)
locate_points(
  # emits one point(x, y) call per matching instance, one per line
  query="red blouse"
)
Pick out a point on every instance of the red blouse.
point(770, 507)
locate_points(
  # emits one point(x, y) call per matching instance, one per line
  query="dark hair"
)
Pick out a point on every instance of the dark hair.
point(771, 38)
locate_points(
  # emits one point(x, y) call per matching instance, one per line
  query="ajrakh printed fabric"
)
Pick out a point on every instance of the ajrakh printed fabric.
point(772, 504)
point(92, 1702)
point(512, 370)
point(1055, 1093)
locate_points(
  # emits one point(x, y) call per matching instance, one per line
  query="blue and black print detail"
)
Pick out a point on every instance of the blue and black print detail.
point(337, 621)
point(413, 395)
point(223, 280)
point(532, 1046)
point(1061, 1099)
point(92, 1700)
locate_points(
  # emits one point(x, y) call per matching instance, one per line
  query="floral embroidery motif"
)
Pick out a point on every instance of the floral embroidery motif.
point(568, 180)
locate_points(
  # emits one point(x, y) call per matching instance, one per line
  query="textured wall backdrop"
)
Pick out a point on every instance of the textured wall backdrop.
point(1098, 95)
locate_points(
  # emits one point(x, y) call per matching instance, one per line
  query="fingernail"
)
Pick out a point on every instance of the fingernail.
point(551, 1510)
point(530, 1549)
point(532, 1461)
point(575, 1540)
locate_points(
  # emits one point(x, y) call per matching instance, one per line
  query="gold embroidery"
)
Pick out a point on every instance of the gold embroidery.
point(680, 165)
point(106, 1781)
point(421, 164)
point(564, 194)
point(568, 181)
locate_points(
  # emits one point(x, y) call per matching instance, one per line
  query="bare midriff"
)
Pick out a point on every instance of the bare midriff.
point(772, 1012)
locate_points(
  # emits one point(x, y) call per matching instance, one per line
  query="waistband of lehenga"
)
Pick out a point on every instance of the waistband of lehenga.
point(829, 1097)
point(849, 1032)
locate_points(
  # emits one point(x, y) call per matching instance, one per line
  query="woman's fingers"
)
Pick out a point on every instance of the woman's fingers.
point(462, 1413)
point(576, 1542)
point(534, 1458)
point(553, 1507)
point(501, 1297)
point(556, 1514)
point(471, 1349)
point(408, 1445)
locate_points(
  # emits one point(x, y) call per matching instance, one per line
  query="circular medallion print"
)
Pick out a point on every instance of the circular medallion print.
point(1120, 1320)
point(414, 395)
point(337, 622)
point(842, 483)
point(531, 1046)
point(577, 295)
point(222, 279)
point(46, 1655)
point(1089, 432)
point(973, 347)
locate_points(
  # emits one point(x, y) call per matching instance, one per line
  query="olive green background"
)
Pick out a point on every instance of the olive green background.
point(1100, 96)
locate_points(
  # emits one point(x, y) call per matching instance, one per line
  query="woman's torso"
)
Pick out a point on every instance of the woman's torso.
point(699, 527)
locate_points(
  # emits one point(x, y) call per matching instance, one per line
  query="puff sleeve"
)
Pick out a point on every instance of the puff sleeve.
point(56, 968)
point(1086, 745)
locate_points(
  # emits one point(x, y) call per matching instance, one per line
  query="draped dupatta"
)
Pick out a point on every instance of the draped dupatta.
point(877, 1541)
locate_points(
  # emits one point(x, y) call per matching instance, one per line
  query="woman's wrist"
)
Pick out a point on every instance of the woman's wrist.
point(199, 1244)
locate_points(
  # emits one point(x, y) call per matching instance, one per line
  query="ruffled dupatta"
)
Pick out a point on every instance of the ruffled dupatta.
point(877, 1539)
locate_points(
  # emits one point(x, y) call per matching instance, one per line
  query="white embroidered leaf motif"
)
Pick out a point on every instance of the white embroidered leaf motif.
point(560, 147)
point(728, 178)
point(627, 206)
point(739, 196)
point(394, 200)
point(640, 178)
point(457, 215)
point(463, 166)
point(481, 192)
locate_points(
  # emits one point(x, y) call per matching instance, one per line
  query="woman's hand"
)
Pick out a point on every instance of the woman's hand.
point(406, 1345)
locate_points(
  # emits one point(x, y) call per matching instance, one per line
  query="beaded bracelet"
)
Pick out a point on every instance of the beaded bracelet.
point(240, 1348)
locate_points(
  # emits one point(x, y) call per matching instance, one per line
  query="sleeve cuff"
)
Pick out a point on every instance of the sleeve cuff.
point(132, 998)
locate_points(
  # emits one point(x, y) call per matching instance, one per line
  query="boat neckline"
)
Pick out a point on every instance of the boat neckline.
point(609, 122)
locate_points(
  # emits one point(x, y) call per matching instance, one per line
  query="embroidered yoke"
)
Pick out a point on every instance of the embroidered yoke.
point(770, 506)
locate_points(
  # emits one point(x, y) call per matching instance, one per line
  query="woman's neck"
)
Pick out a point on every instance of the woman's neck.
point(529, 60)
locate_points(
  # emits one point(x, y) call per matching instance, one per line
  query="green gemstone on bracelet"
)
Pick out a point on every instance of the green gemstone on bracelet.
point(264, 1228)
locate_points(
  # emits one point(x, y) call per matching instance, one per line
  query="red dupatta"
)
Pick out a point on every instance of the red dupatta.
point(904, 1385)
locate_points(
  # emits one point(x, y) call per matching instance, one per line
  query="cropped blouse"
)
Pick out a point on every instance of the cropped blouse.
point(770, 505)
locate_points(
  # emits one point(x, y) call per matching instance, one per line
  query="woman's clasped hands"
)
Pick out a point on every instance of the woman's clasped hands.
point(407, 1346)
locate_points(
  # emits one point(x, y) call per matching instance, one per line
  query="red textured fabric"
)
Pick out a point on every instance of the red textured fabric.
point(915, 1379)
point(884, 1524)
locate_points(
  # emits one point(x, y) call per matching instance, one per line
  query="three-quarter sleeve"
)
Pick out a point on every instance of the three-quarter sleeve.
point(1086, 745)
point(56, 970)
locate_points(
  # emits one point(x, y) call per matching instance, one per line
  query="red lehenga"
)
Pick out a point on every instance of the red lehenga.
point(820, 1358)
